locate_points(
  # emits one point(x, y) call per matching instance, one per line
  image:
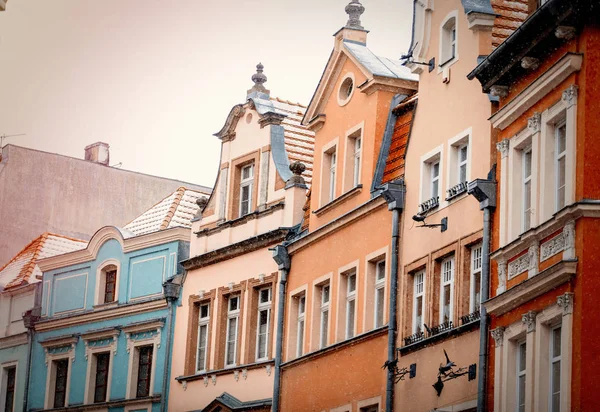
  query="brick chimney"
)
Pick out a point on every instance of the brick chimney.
point(98, 153)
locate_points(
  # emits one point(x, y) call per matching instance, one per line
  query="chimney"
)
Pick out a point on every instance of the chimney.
point(353, 30)
point(98, 153)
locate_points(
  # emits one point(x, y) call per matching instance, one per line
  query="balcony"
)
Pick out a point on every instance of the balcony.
point(435, 333)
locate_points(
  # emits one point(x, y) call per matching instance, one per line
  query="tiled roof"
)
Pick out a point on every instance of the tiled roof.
point(394, 164)
point(379, 66)
point(176, 210)
point(23, 269)
point(510, 15)
point(299, 141)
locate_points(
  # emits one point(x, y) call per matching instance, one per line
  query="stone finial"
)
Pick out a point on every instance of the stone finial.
point(297, 169)
point(201, 202)
point(354, 10)
point(259, 78)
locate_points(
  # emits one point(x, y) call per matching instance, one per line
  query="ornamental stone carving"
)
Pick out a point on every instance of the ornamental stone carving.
point(205, 380)
point(236, 375)
point(569, 234)
point(245, 373)
point(354, 11)
point(269, 369)
point(519, 265)
point(213, 378)
point(565, 32)
point(552, 247)
point(503, 146)
point(499, 91)
point(501, 276)
point(569, 96)
point(530, 63)
point(534, 123)
point(534, 257)
point(566, 303)
point(529, 320)
point(498, 335)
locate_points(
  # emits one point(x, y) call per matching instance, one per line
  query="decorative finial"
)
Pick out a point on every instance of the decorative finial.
point(201, 202)
point(259, 79)
point(297, 169)
point(354, 11)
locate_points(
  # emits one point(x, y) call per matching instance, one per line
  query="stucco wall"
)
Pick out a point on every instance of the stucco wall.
point(44, 192)
point(9, 356)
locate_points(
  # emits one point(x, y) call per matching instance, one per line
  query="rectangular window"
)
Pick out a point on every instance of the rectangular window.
point(435, 179)
point(350, 304)
point(60, 383)
point(526, 189)
point(300, 327)
point(101, 383)
point(555, 371)
point(419, 301)
point(110, 286)
point(463, 152)
point(521, 375)
point(203, 325)
point(10, 376)
point(475, 278)
point(560, 163)
point(264, 321)
point(357, 148)
point(332, 165)
point(233, 317)
point(379, 292)
point(324, 325)
point(246, 183)
point(447, 290)
point(144, 371)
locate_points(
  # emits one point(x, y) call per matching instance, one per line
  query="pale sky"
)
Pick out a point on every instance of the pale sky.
point(155, 79)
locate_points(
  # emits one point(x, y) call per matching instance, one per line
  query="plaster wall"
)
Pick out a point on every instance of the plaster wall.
point(12, 306)
point(69, 196)
point(8, 357)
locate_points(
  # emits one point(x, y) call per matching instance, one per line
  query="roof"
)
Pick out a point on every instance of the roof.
point(379, 66)
point(235, 404)
point(477, 6)
point(176, 210)
point(394, 163)
point(510, 14)
point(23, 269)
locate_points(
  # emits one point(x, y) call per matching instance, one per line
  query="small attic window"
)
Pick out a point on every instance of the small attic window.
point(448, 41)
point(346, 89)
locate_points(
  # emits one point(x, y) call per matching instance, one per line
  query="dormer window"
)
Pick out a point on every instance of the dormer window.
point(448, 40)
point(246, 183)
point(107, 283)
point(110, 285)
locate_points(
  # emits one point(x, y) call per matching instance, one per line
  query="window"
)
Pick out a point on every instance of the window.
point(332, 165)
point(144, 371)
point(350, 304)
point(101, 381)
point(448, 41)
point(264, 321)
point(233, 317)
point(246, 183)
point(475, 278)
point(324, 320)
point(379, 292)
point(462, 163)
point(107, 283)
point(560, 132)
point(434, 178)
point(521, 375)
point(346, 89)
point(555, 368)
point(61, 369)
point(110, 285)
point(419, 301)
point(526, 189)
point(8, 388)
point(300, 325)
point(447, 290)
point(357, 148)
point(203, 325)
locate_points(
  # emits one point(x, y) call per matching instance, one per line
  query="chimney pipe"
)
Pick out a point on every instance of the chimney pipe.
point(98, 153)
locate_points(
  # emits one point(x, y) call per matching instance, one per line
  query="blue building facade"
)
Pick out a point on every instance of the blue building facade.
point(103, 340)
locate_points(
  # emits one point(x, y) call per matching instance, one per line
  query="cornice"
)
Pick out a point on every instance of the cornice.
point(13, 340)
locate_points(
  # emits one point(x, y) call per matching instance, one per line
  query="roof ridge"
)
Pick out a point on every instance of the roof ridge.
point(27, 269)
point(179, 194)
point(20, 252)
point(151, 207)
point(65, 237)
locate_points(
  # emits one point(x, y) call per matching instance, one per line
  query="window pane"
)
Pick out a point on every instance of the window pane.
point(350, 319)
point(204, 311)
point(521, 384)
point(301, 305)
point(527, 164)
point(419, 313)
point(102, 363)
point(527, 206)
point(300, 342)
point(434, 188)
point(463, 173)
point(60, 385)
point(446, 304)
point(325, 294)
point(144, 371)
point(324, 324)
point(477, 289)
point(435, 170)
point(231, 341)
point(234, 303)
point(380, 270)
point(10, 388)
point(265, 295)
point(463, 154)
point(351, 283)
point(379, 300)
point(561, 138)
point(263, 325)
point(202, 340)
point(556, 377)
point(561, 182)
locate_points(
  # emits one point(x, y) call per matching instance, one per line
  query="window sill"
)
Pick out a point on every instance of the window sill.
point(106, 405)
point(449, 62)
point(224, 371)
point(103, 306)
point(335, 202)
point(455, 331)
point(456, 191)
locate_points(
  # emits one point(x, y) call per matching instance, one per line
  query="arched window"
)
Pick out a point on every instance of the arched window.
point(107, 284)
point(448, 40)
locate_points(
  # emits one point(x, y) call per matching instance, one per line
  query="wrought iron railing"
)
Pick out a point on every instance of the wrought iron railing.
point(414, 338)
point(471, 317)
point(427, 205)
point(442, 327)
point(456, 190)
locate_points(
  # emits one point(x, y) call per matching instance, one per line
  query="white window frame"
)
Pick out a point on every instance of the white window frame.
point(557, 158)
point(443, 283)
point(350, 329)
point(526, 214)
point(263, 306)
point(4, 382)
point(476, 269)
point(231, 316)
point(553, 359)
point(427, 160)
point(324, 308)
point(434, 180)
point(357, 160)
point(520, 374)
point(133, 347)
point(249, 183)
point(328, 186)
point(416, 293)
point(447, 42)
point(90, 355)
point(101, 282)
point(332, 173)
point(379, 287)
point(203, 322)
point(51, 371)
point(301, 320)
point(462, 163)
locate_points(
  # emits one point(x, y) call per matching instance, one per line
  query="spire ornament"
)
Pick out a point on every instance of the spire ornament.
point(259, 78)
point(354, 10)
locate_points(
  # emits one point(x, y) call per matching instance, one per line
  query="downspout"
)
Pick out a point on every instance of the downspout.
point(171, 292)
point(27, 373)
point(30, 317)
point(281, 257)
point(485, 192)
point(393, 193)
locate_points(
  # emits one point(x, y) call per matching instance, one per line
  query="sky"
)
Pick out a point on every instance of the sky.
point(155, 79)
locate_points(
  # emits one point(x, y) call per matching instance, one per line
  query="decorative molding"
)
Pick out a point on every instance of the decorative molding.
point(569, 96)
point(236, 375)
point(63, 347)
point(205, 379)
point(269, 369)
point(569, 235)
point(227, 132)
point(534, 123)
point(106, 339)
point(530, 63)
point(519, 265)
point(501, 276)
point(184, 385)
point(529, 320)
point(552, 247)
point(502, 146)
point(564, 32)
point(213, 379)
point(534, 258)
point(566, 303)
point(499, 91)
point(498, 335)
point(144, 332)
point(245, 373)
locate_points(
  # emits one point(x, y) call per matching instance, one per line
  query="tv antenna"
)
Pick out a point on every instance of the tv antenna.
point(3, 136)
point(408, 58)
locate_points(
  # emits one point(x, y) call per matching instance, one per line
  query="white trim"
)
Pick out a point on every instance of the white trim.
point(232, 315)
point(350, 330)
point(370, 286)
point(50, 371)
point(4, 383)
point(454, 144)
point(344, 101)
point(416, 294)
point(450, 282)
point(249, 183)
point(473, 306)
point(350, 142)
point(58, 279)
point(329, 148)
point(203, 321)
point(132, 348)
point(324, 307)
point(135, 262)
point(264, 306)
point(301, 318)
point(443, 64)
point(437, 154)
point(100, 273)
point(568, 64)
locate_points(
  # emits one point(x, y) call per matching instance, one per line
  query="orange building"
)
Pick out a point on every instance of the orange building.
point(544, 317)
point(337, 303)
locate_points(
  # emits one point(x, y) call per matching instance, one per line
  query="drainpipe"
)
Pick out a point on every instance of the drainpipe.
point(171, 292)
point(394, 194)
point(281, 257)
point(485, 192)
point(30, 317)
